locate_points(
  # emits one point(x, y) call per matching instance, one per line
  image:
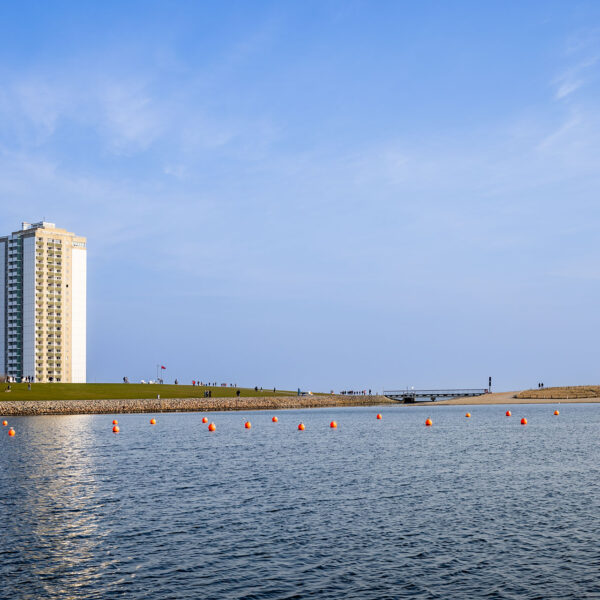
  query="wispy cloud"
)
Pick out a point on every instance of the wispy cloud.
point(129, 113)
point(573, 78)
point(177, 171)
point(567, 87)
point(582, 51)
point(130, 116)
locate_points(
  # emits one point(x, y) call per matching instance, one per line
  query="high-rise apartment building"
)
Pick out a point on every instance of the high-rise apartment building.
point(43, 304)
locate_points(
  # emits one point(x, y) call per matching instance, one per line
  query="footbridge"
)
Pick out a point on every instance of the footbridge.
point(410, 396)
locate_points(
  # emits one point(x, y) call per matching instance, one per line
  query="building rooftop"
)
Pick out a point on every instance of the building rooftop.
point(40, 225)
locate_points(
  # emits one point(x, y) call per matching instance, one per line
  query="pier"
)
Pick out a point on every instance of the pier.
point(411, 396)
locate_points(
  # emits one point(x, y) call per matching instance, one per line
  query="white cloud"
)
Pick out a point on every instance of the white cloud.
point(177, 171)
point(132, 119)
point(567, 87)
point(574, 77)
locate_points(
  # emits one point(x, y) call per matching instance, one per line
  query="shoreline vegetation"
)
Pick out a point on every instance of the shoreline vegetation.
point(115, 398)
point(568, 392)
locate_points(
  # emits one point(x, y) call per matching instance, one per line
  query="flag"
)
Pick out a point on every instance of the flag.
point(162, 367)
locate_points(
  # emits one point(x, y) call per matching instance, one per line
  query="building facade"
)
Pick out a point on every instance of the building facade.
point(43, 273)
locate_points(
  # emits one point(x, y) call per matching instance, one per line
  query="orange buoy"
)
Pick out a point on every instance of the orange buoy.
point(212, 427)
point(301, 427)
point(429, 423)
point(11, 432)
point(468, 415)
point(523, 421)
point(152, 421)
point(556, 413)
point(115, 422)
point(5, 423)
point(247, 425)
point(379, 416)
point(116, 429)
point(204, 420)
point(274, 419)
point(333, 425)
point(508, 413)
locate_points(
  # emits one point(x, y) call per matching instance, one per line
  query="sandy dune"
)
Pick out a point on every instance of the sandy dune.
point(509, 398)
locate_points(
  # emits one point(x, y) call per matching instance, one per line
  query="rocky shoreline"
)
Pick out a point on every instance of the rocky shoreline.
point(92, 407)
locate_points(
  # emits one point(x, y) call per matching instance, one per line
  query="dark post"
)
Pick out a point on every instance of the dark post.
point(490, 385)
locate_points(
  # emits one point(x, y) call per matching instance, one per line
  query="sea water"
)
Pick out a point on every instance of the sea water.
point(468, 508)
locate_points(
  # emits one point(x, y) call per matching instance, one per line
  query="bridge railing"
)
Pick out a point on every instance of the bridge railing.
point(438, 392)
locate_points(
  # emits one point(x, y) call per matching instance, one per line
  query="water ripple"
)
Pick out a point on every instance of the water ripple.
point(482, 508)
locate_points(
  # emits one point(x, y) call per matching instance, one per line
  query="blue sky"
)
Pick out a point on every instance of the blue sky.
point(323, 195)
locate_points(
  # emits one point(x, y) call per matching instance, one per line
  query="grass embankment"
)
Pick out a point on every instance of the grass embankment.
point(123, 391)
point(562, 393)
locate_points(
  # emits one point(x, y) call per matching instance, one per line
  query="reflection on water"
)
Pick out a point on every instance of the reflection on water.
point(53, 488)
point(469, 508)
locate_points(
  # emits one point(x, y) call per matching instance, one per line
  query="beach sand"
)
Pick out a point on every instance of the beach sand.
point(509, 398)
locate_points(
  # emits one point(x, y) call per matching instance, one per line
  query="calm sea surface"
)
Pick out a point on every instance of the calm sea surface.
point(468, 508)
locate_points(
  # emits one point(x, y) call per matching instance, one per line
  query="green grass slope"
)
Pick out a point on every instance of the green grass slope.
point(121, 391)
